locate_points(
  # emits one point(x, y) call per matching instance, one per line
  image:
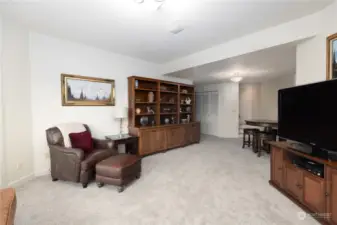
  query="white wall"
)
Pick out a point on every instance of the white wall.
point(2, 149)
point(311, 54)
point(16, 93)
point(49, 58)
point(249, 101)
point(260, 100)
point(228, 108)
point(269, 95)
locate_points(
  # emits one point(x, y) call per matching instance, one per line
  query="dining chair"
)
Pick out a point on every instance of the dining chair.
point(263, 139)
point(248, 136)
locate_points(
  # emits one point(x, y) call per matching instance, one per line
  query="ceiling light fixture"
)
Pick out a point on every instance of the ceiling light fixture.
point(150, 5)
point(142, 1)
point(236, 79)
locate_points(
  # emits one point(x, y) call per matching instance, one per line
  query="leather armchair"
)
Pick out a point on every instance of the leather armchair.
point(71, 164)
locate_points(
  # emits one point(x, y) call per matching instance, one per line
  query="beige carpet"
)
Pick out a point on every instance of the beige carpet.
point(214, 182)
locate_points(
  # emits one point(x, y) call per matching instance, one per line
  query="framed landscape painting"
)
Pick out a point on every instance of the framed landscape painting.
point(87, 91)
point(331, 45)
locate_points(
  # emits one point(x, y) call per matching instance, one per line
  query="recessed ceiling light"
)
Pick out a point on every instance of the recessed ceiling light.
point(236, 79)
point(139, 1)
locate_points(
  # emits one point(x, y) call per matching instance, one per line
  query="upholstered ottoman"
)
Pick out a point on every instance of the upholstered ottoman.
point(118, 170)
point(7, 206)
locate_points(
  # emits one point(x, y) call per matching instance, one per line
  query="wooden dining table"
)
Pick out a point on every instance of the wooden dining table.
point(269, 126)
point(263, 123)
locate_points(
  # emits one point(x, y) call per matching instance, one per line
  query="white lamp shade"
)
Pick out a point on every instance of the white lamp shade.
point(121, 113)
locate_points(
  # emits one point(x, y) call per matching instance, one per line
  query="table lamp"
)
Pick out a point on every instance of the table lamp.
point(120, 114)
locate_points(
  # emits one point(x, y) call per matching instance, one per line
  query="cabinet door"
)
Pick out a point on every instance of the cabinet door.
point(293, 181)
point(314, 192)
point(174, 135)
point(195, 131)
point(331, 195)
point(277, 167)
point(146, 142)
point(189, 134)
point(159, 140)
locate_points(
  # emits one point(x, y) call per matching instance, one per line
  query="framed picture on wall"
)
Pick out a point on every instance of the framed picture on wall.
point(87, 91)
point(331, 48)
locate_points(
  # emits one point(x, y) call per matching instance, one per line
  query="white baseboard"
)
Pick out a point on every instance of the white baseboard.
point(21, 181)
point(27, 178)
point(42, 173)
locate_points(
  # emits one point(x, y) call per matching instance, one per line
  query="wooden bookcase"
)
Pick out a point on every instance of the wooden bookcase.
point(169, 102)
point(162, 104)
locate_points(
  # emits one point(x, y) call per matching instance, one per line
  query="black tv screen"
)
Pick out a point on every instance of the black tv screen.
point(308, 114)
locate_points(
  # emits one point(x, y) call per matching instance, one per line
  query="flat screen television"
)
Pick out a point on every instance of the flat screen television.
point(308, 114)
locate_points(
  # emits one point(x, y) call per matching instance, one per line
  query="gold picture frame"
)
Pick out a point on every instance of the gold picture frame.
point(331, 59)
point(87, 91)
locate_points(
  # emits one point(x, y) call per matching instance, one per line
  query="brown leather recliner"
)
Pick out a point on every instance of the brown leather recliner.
point(71, 164)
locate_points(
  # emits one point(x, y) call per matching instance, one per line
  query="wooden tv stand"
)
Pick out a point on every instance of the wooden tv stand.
point(315, 195)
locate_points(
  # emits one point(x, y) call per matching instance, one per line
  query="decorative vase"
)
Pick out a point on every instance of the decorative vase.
point(136, 83)
point(167, 121)
point(188, 100)
point(144, 120)
point(151, 96)
point(188, 118)
point(138, 110)
point(149, 110)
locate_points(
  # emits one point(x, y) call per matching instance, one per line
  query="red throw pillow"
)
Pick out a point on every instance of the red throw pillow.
point(82, 140)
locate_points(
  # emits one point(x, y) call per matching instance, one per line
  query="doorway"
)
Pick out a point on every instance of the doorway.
point(207, 111)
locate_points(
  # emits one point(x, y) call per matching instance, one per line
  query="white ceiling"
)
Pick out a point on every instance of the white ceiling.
point(139, 31)
point(253, 67)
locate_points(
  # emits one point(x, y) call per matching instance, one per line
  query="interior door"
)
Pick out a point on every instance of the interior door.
point(213, 113)
point(199, 98)
point(207, 111)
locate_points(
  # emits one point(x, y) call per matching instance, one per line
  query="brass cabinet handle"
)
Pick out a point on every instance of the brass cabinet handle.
point(326, 194)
